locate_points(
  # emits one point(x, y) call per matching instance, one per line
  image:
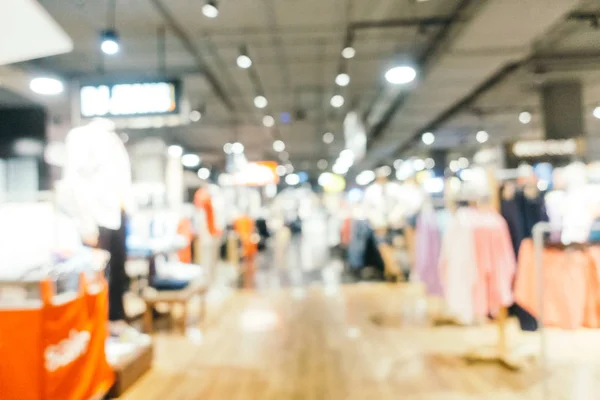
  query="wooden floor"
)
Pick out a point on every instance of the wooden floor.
point(354, 342)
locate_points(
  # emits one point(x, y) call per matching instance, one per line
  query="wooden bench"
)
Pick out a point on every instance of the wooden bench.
point(171, 297)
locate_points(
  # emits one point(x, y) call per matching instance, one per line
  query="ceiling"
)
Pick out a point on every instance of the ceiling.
point(295, 47)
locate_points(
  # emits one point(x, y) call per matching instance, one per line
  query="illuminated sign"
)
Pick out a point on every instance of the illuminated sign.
point(129, 99)
point(540, 148)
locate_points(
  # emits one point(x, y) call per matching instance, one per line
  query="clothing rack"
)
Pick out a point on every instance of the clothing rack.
point(539, 232)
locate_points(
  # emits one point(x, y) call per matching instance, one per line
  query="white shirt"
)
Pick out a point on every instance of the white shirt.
point(97, 174)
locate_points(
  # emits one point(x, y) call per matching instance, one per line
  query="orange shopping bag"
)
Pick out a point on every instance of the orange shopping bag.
point(66, 356)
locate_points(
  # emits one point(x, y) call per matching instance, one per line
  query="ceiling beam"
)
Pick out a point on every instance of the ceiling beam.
point(187, 43)
point(423, 63)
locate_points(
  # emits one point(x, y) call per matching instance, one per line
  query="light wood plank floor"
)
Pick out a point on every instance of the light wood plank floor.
point(322, 343)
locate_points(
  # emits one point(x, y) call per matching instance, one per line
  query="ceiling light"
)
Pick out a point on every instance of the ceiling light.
point(463, 162)
point(260, 101)
point(210, 9)
point(190, 160)
point(268, 121)
point(348, 52)
point(340, 169)
point(203, 173)
point(109, 42)
point(325, 179)
point(292, 179)
point(347, 154)
point(28, 147)
point(525, 117)
point(284, 156)
point(243, 61)
point(195, 115)
point(278, 146)
point(482, 136)
point(428, 138)
point(289, 168)
point(429, 163)
point(328, 137)
point(342, 79)
point(365, 177)
point(322, 164)
point(400, 75)
point(597, 112)
point(237, 148)
point(418, 164)
point(46, 86)
point(337, 101)
point(280, 169)
point(454, 166)
point(175, 151)
point(398, 163)
point(227, 148)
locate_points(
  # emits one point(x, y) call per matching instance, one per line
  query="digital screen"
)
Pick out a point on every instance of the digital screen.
point(129, 99)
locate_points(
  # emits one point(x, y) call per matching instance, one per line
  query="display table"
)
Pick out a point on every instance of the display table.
point(198, 287)
point(130, 367)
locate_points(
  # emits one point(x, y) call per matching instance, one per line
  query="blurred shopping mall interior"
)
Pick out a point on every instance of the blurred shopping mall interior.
point(299, 199)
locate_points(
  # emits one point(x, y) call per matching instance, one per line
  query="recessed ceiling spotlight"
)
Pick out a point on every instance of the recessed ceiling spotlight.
point(237, 148)
point(525, 117)
point(482, 136)
point(204, 173)
point(401, 75)
point(596, 112)
point(195, 115)
point(46, 86)
point(281, 170)
point(175, 150)
point(268, 121)
point(322, 164)
point(348, 52)
point(227, 148)
point(260, 101)
point(337, 101)
point(243, 60)
point(210, 9)
point(342, 79)
point(190, 160)
point(328, 137)
point(428, 138)
point(109, 42)
point(278, 146)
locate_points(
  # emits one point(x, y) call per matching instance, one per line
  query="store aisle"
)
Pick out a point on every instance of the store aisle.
point(321, 344)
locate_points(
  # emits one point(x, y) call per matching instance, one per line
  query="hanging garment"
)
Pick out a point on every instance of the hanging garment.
point(532, 211)
point(427, 252)
point(357, 246)
point(496, 264)
point(510, 212)
point(592, 301)
point(564, 283)
point(458, 265)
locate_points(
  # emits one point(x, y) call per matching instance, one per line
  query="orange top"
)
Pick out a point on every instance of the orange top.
point(244, 226)
point(203, 200)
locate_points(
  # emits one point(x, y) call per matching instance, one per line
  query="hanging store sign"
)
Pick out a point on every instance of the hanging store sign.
point(542, 148)
point(129, 99)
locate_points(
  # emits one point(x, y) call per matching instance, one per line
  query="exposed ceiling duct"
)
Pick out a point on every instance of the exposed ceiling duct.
point(500, 33)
